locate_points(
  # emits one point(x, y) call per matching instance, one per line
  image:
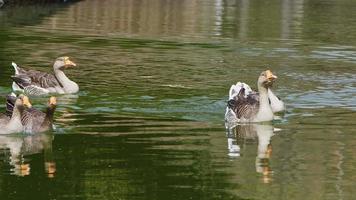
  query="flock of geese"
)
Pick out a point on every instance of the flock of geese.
point(20, 116)
point(244, 104)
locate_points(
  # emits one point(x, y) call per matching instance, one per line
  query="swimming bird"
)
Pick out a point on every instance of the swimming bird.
point(277, 104)
point(250, 107)
point(35, 82)
point(12, 123)
point(36, 121)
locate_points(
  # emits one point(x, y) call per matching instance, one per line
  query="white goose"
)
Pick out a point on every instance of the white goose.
point(277, 104)
point(35, 82)
point(247, 106)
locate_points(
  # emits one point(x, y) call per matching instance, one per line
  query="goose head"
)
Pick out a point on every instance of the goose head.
point(22, 102)
point(266, 78)
point(51, 107)
point(63, 63)
point(25, 101)
point(52, 102)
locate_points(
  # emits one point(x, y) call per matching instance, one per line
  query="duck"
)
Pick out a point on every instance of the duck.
point(13, 124)
point(247, 106)
point(33, 82)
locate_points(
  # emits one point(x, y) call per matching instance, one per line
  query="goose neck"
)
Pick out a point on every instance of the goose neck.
point(263, 91)
point(68, 85)
point(49, 115)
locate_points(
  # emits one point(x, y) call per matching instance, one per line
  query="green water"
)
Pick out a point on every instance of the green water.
point(154, 76)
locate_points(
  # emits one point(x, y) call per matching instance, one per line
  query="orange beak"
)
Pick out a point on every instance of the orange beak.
point(270, 75)
point(69, 63)
point(26, 101)
point(52, 101)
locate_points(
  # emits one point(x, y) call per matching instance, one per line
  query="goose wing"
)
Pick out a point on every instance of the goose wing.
point(235, 89)
point(244, 107)
point(32, 119)
point(10, 102)
point(4, 119)
point(277, 104)
point(34, 86)
point(38, 78)
point(22, 80)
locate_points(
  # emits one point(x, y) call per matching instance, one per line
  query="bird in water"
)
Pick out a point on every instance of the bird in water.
point(36, 121)
point(276, 103)
point(10, 122)
point(245, 105)
point(35, 82)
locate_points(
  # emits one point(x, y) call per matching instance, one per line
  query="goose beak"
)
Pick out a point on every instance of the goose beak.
point(270, 76)
point(25, 169)
point(69, 63)
point(26, 102)
point(52, 101)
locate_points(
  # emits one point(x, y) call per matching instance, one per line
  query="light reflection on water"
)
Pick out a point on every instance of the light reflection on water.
point(148, 122)
point(241, 135)
point(19, 147)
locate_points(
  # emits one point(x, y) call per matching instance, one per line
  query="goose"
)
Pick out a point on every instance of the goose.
point(247, 106)
point(277, 104)
point(12, 123)
point(35, 82)
point(36, 121)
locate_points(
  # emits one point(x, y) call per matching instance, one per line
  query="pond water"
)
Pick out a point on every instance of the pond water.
point(154, 76)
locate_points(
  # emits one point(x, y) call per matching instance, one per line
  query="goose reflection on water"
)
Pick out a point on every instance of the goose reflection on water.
point(20, 146)
point(240, 135)
point(66, 112)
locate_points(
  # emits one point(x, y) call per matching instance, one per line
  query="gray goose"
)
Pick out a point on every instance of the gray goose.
point(251, 108)
point(36, 121)
point(10, 122)
point(35, 82)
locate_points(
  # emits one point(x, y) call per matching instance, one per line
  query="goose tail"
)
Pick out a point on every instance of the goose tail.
point(15, 67)
point(10, 101)
point(236, 89)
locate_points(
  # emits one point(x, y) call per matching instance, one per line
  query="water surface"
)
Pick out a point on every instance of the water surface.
point(154, 79)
